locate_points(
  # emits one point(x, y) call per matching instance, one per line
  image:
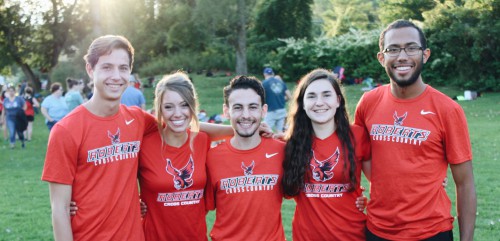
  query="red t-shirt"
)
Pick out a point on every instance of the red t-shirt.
point(325, 209)
point(98, 157)
point(172, 182)
point(244, 186)
point(412, 143)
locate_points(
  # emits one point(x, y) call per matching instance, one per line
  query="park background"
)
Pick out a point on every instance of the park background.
point(42, 40)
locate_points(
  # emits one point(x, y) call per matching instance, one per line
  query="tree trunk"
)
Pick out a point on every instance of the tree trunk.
point(241, 45)
point(33, 81)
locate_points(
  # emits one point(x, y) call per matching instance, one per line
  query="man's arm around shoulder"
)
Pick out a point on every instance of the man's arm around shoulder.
point(466, 199)
point(60, 197)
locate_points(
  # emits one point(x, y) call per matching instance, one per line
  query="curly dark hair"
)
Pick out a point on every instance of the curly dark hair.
point(300, 134)
point(244, 82)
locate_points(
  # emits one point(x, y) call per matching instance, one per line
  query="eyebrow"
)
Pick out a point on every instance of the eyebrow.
point(322, 92)
point(406, 44)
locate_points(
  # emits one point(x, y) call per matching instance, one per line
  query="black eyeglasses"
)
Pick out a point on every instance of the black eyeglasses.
point(410, 51)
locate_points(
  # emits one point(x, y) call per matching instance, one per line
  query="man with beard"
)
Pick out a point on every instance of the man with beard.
point(245, 171)
point(415, 133)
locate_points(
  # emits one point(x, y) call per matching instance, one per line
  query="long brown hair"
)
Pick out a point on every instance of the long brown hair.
point(300, 134)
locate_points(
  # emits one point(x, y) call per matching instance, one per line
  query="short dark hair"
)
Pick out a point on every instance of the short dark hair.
point(244, 82)
point(104, 45)
point(401, 23)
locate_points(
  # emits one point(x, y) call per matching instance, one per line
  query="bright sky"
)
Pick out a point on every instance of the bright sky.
point(34, 8)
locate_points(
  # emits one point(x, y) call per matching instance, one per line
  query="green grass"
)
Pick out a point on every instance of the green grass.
point(25, 206)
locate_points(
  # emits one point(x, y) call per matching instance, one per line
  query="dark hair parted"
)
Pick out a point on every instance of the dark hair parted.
point(104, 45)
point(300, 135)
point(402, 24)
point(244, 82)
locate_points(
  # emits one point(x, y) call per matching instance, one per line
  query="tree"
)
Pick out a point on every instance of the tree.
point(241, 43)
point(284, 19)
point(36, 40)
point(391, 10)
point(225, 22)
point(340, 16)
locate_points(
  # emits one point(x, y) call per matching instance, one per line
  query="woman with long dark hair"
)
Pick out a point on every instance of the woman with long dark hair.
point(322, 166)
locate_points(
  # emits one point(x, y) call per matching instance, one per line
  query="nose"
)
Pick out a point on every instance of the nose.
point(245, 112)
point(319, 101)
point(177, 111)
point(115, 74)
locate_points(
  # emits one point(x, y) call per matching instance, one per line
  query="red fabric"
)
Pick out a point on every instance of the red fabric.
point(99, 158)
point(412, 142)
point(29, 107)
point(174, 213)
point(325, 209)
point(247, 197)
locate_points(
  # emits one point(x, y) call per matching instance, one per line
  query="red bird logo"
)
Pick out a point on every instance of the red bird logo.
point(248, 170)
point(115, 138)
point(398, 120)
point(182, 177)
point(323, 170)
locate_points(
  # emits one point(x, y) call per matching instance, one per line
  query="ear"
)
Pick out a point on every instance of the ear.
point(381, 58)
point(225, 111)
point(426, 55)
point(264, 111)
point(90, 71)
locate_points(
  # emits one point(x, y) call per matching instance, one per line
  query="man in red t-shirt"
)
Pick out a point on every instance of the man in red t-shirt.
point(92, 154)
point(415, 133)
point(245, 171)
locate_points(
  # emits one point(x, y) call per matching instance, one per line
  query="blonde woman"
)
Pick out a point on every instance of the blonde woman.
point(172, 172)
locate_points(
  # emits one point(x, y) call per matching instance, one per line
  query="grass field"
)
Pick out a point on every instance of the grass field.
point(24, 201)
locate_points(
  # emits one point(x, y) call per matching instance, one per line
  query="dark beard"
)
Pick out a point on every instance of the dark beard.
point(246, 135)
point(405, 83)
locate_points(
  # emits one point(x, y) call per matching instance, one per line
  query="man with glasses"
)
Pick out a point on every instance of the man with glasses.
point(415, 133)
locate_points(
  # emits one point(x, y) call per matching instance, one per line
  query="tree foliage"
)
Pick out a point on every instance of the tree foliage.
point(340, 16)
point(465, 39)
point(35, 40)
point(391, 10)
point(216, 34)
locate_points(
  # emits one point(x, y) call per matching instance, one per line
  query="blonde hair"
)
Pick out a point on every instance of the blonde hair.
point(181, 84)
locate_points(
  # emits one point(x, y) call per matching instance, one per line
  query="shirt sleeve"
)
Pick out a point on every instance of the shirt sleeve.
point(150, 124)
point(359, 113)
point(209, 193)
point(61, 158)
point(362, 140)
point(456, 136)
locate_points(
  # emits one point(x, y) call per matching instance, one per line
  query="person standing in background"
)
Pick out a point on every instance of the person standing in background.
point(132, 96)
point(2, 119)
point(74, 95)
point(31, 104)
point(54, 106)
point(12, 106)
point(276, 96)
